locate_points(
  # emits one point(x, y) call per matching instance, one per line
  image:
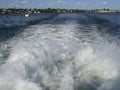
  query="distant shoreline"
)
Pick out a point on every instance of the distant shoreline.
point(52, 10)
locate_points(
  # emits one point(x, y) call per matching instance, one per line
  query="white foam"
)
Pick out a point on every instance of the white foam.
point(54, 57)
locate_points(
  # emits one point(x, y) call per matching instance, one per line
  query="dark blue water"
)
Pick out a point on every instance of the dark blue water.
point(13, 24)
point(69, 51)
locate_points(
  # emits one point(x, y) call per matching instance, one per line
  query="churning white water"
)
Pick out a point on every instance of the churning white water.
point(64, 56)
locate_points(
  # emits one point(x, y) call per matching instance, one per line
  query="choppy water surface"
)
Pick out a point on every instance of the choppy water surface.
point(60, 52)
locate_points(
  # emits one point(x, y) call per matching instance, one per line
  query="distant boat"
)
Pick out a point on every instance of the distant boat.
point(28, 13)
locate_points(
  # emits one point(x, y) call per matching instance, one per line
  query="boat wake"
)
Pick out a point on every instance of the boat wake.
point(69, 56)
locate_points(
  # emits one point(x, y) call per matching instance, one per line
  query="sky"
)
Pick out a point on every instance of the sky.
point(68, 4)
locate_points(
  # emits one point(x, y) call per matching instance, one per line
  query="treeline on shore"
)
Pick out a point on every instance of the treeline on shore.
point(48, 10)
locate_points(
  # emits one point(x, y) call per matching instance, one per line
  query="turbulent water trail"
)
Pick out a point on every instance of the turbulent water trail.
point(62, 54)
